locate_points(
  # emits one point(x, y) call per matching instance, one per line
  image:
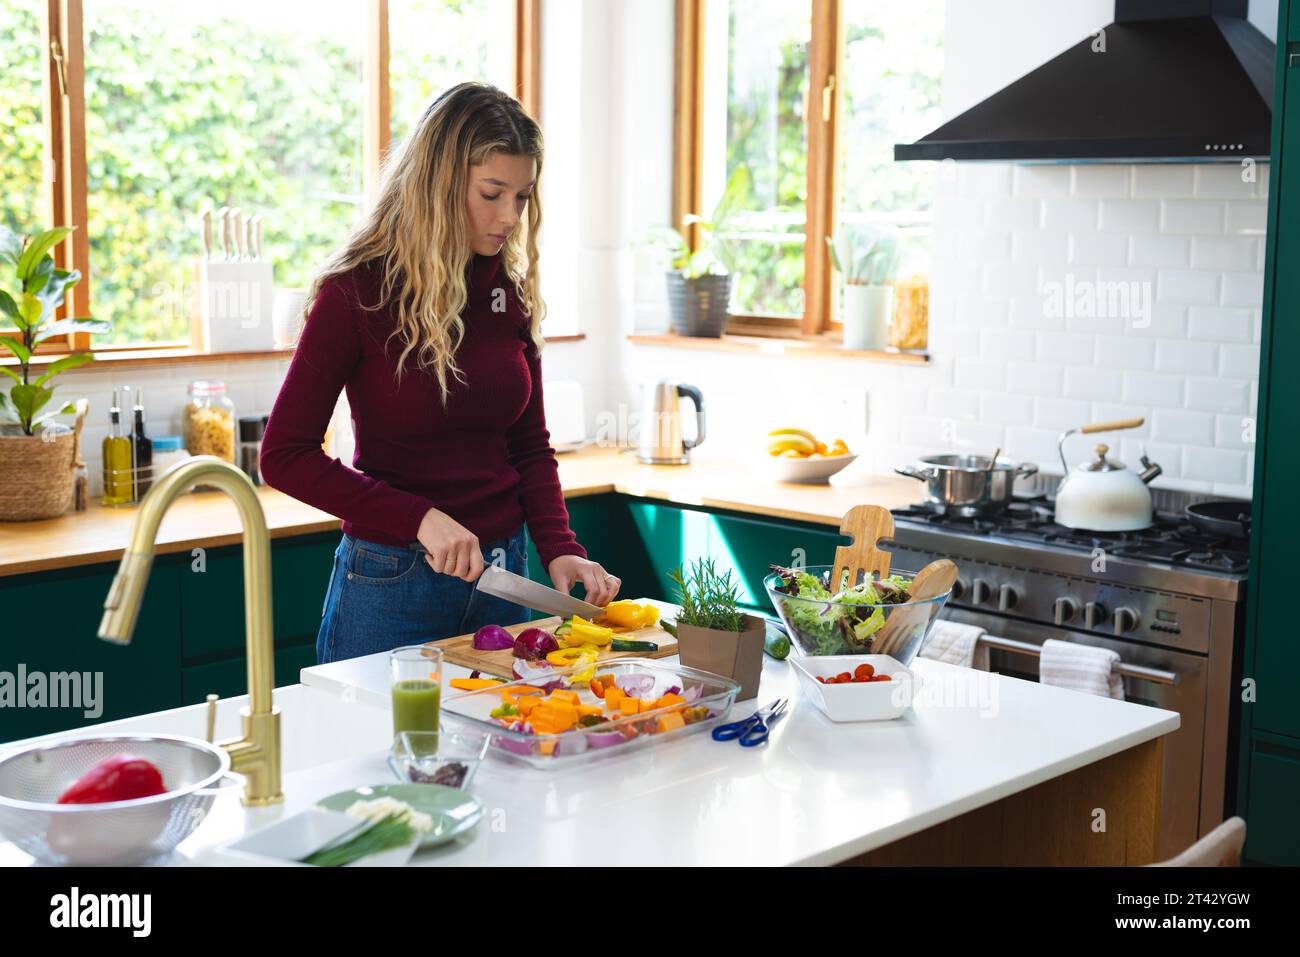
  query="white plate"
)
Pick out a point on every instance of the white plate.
point(862, 701)
point(815, 469)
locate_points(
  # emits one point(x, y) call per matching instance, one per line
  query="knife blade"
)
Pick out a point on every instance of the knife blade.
point(205, 226)
point(501, 583)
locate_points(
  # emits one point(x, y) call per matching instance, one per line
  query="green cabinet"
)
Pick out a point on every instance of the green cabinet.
point(1269, 765)
point(50, 633)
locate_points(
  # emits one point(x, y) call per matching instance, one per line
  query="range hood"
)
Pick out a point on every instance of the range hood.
point(1178, 81)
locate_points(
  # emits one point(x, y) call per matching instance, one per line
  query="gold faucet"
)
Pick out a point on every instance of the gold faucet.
point(257, 754)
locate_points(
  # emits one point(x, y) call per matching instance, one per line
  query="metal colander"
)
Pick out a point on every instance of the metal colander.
point(121, 832)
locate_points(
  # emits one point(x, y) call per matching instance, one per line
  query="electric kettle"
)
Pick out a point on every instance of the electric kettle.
point(659, 429)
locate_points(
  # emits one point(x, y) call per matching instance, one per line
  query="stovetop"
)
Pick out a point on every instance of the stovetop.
point(1172, 541)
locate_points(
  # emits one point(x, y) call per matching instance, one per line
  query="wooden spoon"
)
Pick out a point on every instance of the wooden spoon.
point(931, 581)
point(867, 525)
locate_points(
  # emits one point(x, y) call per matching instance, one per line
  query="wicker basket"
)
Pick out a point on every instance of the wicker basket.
point(37, 472)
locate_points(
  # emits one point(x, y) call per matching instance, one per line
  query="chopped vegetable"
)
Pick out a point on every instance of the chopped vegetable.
point(533, 643)
point(474, 684)
point(493, 638)
point(630, 614)
point(624, 644)
point(576, 630)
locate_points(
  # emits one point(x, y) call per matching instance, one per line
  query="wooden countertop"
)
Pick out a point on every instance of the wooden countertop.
point(209, 519)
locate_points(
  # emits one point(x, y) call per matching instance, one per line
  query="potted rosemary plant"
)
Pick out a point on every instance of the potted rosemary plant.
point(867, 256)
point(699, 282)
point(38, 456)
point(713, 634)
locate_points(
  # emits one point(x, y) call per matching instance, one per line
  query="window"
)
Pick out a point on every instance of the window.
point(468, 47)
point(810, 97)
point(282, 109)
point(755, 88)
point(20, 115)
point(198, 106)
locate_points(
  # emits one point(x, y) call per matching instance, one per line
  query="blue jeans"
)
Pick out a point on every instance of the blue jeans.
point(382, 597)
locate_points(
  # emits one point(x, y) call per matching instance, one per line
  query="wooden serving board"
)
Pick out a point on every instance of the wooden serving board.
point(461, 651)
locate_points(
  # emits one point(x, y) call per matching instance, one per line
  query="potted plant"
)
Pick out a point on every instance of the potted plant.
point(38, 456)
point(713, 634)
point(699, 283)
point(867, 256)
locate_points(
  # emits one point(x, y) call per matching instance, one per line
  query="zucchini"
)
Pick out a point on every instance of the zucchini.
point(564, 627)
point(776, 642)
point(623, 644)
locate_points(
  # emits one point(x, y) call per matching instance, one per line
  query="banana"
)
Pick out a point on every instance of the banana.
point(785, 433)
point(796, 443)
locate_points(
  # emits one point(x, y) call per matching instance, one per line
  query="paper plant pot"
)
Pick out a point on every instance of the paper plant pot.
point(737, 655)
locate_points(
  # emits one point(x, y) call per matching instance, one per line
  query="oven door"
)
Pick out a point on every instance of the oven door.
point(1161, 678)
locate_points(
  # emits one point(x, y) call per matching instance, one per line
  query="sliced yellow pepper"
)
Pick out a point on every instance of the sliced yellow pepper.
point(630, 614)
point(580, 631)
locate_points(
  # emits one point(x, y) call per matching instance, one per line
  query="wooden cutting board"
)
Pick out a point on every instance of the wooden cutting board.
point(461, 651)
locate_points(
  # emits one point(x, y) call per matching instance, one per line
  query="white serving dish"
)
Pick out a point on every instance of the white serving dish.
point(286, 842)
point(863, 701)
point(814, 469)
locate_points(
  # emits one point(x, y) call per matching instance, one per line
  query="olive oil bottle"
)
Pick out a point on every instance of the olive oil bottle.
point(119, 484)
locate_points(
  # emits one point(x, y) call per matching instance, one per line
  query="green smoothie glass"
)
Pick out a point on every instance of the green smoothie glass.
point(417, 689)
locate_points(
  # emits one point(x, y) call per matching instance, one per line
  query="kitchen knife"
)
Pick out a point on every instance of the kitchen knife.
point(257, 236)
point(237, 227)
point(223, 224)
point(250, 251)
point(496, 581)
point(205, 223)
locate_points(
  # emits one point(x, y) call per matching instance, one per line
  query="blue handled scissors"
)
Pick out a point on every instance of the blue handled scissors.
point(751, 731)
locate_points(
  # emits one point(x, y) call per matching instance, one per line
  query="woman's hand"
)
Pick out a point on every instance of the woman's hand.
point(452, 548)
point(601, 586)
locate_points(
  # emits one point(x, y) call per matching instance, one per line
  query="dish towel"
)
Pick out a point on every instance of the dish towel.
point(1080, 668)
point(956, 644)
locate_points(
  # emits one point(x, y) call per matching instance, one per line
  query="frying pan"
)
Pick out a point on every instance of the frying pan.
point(1229, 519)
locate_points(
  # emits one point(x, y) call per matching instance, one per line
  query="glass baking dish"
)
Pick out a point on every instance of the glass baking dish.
point(621, 735)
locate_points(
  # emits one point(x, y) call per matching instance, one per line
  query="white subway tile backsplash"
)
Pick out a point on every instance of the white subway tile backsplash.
point(1096, 248)
point(1090, 382)
point(1221, 323)
point(1097, 180)
point(1006, 344)
point(1232, 252)
point(1076, 214)
point(1130, 215)
point(1153, 389)
point(1031, 312)
point(1174, 355)
point(1033, 445)
point(1191, 216)
point(1035, 378)
point(1214, 465)
point(1158, 250)
point(1168, 457)
point(1060, 414)
point(1014, 212)
point(1223, 181)
point(1007, 279)
point(1039, 180)
point(1241, 362)
point(1006, 408)
point(987, 374)
point(952, 403)
point(1232, 432)
point(984, 179)
point(1187, 286)
point(1124, 352)
point(1040, 246)
point(1218, 395)
point(1243, 289)
point(1065, 347)
point(1183, 427)
point(1162, 180)
point(1248, 217)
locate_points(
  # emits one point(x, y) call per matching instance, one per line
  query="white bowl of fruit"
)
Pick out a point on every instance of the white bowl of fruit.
point(799, 456)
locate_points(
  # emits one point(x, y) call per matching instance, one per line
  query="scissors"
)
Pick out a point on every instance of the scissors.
point(751, 731)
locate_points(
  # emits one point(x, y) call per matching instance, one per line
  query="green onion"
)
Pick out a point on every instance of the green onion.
point(384, 835)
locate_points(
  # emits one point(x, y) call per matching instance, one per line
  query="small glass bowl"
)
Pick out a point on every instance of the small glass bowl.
point(449, 758)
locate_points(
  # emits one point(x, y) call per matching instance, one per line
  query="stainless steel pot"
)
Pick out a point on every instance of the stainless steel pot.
point(967, 484)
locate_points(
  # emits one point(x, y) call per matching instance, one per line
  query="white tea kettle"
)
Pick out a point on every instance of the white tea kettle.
point(1102, 495)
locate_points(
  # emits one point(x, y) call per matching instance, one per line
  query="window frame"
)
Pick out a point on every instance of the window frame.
point(64, 199)
point(825, 65)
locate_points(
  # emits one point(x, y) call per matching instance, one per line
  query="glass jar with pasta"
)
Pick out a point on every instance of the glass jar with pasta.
point(208, 420)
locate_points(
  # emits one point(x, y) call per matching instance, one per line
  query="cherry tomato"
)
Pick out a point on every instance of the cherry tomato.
point(863, 671)
point(843, 678)
point(880, 678)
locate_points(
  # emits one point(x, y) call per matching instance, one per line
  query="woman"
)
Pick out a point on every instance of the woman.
point(430, 319)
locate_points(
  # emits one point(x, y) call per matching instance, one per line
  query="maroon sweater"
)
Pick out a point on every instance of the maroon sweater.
point(485, 459)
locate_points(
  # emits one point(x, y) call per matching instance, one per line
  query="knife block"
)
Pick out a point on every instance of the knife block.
point(233, 303)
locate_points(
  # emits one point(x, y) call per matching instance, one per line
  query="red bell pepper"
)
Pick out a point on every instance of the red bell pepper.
point(122, 777)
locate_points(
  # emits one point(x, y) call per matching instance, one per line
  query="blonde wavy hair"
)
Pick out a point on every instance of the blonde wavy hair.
point(417, 234)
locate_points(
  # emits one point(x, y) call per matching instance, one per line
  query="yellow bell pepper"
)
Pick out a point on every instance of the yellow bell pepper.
point(630, 614)
point(576, 631)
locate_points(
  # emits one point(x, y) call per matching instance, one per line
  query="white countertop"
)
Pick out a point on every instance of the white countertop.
point(816, 793)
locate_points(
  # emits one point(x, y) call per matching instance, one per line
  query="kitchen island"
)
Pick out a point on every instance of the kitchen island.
point(983, 770)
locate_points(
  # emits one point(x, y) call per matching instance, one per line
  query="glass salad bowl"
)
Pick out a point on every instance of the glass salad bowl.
point(855, 621)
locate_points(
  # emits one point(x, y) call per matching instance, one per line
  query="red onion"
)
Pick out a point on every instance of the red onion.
point(534, 643)
point(604, 739)
point(635, 685)
point(493, 638)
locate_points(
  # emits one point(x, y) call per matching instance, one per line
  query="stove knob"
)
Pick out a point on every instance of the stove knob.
point(1094, 613)
point(958, 589)
point(1007, 598)
point(1063, 610)
point(1126, 619)
point(980, 591)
